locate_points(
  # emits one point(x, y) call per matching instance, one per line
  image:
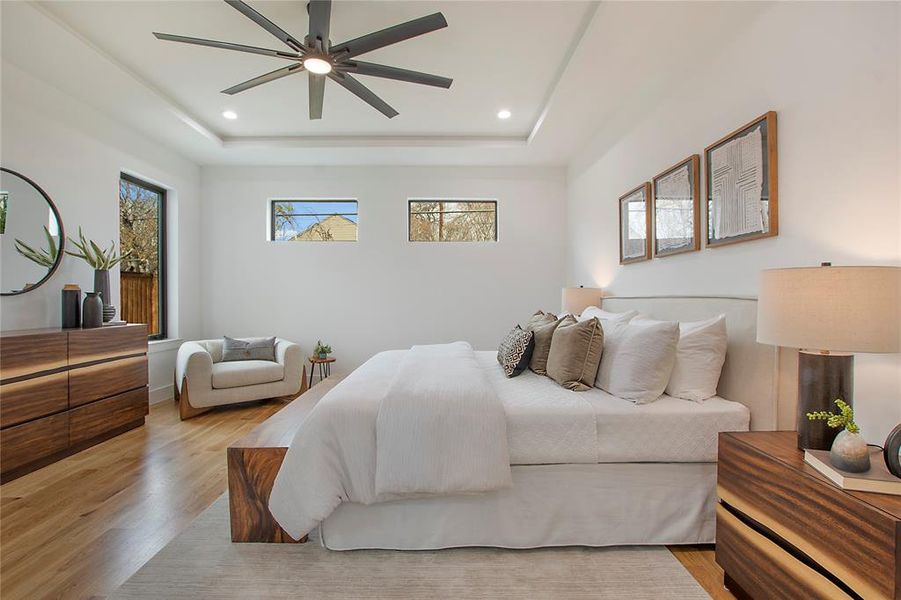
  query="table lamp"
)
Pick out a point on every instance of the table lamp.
point(577, 299)
point(827, 313)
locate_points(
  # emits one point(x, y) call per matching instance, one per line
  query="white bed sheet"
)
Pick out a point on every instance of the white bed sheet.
point(548, 505)
point(548, 424)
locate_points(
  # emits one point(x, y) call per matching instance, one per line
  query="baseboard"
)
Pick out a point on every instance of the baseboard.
point(162, 394)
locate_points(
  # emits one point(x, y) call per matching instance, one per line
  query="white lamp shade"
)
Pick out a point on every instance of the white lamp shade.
point(577, 299)
point(839, 309)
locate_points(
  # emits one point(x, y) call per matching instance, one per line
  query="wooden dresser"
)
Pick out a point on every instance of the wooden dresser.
point(785, 531)
point(63, 390)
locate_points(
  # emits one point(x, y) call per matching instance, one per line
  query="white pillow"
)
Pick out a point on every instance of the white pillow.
point(700, 355)
point(603, 315)
point(638, 359)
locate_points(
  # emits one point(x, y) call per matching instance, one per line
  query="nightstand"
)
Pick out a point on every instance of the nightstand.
point(785, 531)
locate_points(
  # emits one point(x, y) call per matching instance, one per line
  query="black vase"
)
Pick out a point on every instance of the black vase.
point(71, 306)
point(92, 313)
point(101, 285)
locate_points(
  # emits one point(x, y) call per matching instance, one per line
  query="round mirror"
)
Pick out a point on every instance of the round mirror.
point(31, 234)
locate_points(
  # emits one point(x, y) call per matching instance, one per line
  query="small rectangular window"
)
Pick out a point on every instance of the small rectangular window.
point(314, 221)
point(142, 274)
point(453, 220)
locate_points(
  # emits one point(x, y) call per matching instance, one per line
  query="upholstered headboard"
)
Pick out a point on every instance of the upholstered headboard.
point(750, 373)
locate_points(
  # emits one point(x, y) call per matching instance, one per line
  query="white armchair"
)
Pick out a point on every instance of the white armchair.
point(203, 381)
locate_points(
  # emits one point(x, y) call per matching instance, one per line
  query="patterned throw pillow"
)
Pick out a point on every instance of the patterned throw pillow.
point(515, 351)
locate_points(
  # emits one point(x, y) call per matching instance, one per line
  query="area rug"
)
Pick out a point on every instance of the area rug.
point(202, 562)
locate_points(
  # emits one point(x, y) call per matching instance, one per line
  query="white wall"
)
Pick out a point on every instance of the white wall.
point(831, 71)
point(76, 155)
point(380, 292)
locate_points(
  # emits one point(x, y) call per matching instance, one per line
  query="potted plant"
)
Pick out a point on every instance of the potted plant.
point(322, 350)
point(849, 450)
point(101, 261)
point(39, 256)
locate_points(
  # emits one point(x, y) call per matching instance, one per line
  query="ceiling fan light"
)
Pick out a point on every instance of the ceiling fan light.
point(317, 65)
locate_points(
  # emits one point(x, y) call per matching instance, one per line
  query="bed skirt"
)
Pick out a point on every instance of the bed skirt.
point(609, 504)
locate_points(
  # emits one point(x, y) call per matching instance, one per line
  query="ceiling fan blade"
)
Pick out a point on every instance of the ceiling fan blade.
point(225, 45)
point(359, 67)
point(320, 15)
point(391, 35)
point(271, 76)
point(317, 92)
point(364, 93)
point(266, 24)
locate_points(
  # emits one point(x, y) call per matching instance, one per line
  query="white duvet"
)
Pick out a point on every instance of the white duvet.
point(333, 457)
point(421, 422)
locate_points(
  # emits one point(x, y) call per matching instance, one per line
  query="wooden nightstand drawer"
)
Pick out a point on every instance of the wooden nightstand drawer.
point(852, 536)
point(87, 384)
point(757, 563)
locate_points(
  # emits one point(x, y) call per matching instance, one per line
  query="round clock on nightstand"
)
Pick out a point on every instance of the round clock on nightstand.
point(892, 451)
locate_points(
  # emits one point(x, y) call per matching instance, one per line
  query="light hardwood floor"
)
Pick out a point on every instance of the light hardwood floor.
point(80, 527)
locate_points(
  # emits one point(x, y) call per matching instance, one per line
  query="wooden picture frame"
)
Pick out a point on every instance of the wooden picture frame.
point(680, 211)
point(638, 195)
point(727, 221)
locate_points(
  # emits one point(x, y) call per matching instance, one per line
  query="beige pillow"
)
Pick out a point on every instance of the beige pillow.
point(542, 334)
point(576, 348)
point(539, 318)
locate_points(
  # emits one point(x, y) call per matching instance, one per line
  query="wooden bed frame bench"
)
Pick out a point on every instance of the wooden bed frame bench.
point(253, 463)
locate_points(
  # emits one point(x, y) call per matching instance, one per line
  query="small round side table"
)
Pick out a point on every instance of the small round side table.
point(325, 367)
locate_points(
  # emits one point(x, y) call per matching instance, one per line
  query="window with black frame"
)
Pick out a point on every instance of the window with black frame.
point(313, 221)
point(142, 236)
point(453, 220)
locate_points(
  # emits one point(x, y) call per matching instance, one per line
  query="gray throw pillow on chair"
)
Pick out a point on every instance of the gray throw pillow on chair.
point(248, 349)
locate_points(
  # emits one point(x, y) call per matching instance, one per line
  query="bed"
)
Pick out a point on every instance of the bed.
point(587, 468)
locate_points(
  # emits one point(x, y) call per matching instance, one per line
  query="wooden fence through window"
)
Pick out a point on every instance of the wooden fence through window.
point(140, 299)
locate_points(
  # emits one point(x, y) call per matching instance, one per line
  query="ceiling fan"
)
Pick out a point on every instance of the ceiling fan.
point(317, 56)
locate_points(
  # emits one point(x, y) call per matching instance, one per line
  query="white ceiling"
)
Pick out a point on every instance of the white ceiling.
point(565, 69)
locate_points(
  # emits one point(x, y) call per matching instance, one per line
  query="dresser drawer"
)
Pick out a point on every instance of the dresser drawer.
point(87, 384)
point(846, 536)
point(33, 441)
point(104, 343)
point(96, 419)
point(22, 355)
point(32, 398)
point(756, 563)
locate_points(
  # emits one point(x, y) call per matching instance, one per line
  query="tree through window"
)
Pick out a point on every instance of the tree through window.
point(142, 275)
point(314, 221)
point(453, 221)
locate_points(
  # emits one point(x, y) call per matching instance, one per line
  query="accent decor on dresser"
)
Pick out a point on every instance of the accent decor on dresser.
point(63, 390)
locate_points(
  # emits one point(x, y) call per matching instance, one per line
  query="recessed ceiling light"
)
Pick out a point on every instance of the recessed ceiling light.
point(317, 65)
point(504, 114)
point(230, 114)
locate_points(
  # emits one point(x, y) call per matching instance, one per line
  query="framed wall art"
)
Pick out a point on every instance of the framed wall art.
point(741, 201)
point(676, 208)
point(635, 225)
